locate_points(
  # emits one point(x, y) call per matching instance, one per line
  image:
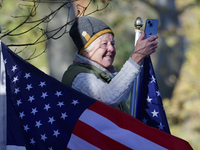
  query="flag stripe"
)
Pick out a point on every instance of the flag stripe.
point(126, 121)
point(100, 139)
point(77, 143)
point(117, 133)
point(13, 147)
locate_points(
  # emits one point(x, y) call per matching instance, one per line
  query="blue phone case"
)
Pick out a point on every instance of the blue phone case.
point(151, 27)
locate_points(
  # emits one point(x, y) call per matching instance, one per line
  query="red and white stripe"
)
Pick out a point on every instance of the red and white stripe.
point(103, 127)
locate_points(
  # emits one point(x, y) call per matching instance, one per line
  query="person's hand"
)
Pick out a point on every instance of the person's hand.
point(144, 47)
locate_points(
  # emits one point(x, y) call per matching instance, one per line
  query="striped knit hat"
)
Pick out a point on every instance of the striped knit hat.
point(85, 30)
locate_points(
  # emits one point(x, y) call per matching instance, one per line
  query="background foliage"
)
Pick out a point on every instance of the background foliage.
point(12, 16)
point(176, 60)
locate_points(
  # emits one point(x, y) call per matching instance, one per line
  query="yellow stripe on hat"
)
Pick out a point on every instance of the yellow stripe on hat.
point(94, 37)
point(86, 35)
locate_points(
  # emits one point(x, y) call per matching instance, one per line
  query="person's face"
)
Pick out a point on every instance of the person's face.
point(104, 51)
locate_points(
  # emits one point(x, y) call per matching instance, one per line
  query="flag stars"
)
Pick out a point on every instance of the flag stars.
point(153, 79)
point(43, 137)
point(29, 86)
point(31, 98)
point(158, 93)
point(51, 120)
point(38, 124)
point(149, 99)
point(14, 68)
point(47, 106)
point(27, 75)
point(163, 107)
point(60, 104)
point(144, 121)
point(155, 113)
point(58, 93)
point(21, 115)
point(161, 127)
point(50, 148)
point(63, 116)
point(32, 141)
point(44, 95)
point(56, 133)
point(19, 102)
point(5, 61)
point(74, 102)
point(17, 90)
point(42, 84)
point(26, 128)
point(34, 110)
point(15, 79)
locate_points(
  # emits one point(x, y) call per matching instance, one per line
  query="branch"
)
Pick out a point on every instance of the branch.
point(46, 34)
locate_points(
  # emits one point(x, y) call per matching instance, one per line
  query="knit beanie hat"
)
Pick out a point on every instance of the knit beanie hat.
point(85, 30)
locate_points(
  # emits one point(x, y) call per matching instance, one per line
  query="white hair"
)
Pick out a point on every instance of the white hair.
point(91, 46)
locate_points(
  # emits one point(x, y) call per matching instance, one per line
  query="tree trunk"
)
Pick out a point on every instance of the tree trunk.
point(170, 57)
point(62, 50)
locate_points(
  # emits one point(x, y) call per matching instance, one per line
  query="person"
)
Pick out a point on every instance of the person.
point(92, 72)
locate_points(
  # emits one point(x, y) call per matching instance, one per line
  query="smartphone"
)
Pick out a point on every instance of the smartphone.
point(151, 27)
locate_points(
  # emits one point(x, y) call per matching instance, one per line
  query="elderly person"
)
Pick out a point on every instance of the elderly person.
point(92, 72)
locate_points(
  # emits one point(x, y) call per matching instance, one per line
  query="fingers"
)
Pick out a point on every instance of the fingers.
point(142, 36)
point(154, 47)
point(153, 43)
point(152, 38)
point(145, 47)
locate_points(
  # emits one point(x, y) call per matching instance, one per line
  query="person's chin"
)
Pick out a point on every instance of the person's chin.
point(107, 65)
point(108, 59)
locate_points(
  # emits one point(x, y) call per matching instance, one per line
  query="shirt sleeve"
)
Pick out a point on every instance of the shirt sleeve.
point(109, 93)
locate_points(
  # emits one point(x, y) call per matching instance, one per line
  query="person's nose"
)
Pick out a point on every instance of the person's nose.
point(111, 48)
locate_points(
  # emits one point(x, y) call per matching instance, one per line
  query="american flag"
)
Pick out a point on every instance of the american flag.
point(44, 114)
point(150, 109)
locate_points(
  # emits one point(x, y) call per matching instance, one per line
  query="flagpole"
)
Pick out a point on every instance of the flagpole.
point(138, 25)
point(3, 119)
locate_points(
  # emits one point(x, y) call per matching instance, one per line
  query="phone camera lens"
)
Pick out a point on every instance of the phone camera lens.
point(150, 23)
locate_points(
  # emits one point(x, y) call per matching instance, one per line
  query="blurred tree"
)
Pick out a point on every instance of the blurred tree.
point(18, 34)
point(60, 49)
point(172, 46)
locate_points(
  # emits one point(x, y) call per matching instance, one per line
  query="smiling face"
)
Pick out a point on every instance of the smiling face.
point(103, 51)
